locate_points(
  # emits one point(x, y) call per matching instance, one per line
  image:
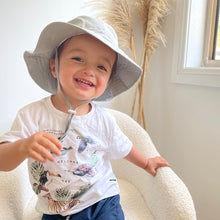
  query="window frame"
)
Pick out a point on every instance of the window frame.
point(206, 73)
point(214, 24)
point(210, 35)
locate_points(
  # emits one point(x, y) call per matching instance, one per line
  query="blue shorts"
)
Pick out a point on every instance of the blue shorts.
point(106, 209)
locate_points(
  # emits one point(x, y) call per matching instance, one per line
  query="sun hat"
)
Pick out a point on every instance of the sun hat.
point(126, 73)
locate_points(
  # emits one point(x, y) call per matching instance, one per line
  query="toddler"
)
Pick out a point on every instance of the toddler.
point(67, 138)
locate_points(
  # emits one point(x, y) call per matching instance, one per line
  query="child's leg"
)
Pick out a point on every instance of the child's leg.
point(106, 209)
point(111, 210)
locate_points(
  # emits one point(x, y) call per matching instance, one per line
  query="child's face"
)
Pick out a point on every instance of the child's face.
point(85, 66)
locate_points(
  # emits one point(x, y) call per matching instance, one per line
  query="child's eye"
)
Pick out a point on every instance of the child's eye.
point(102, 68)
point(77, 59)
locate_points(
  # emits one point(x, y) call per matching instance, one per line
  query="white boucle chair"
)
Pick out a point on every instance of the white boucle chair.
point(143, 197)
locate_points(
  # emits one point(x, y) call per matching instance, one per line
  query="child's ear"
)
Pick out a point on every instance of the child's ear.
point(52, 68)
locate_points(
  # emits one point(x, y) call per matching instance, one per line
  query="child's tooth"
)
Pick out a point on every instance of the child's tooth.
point(85, 82)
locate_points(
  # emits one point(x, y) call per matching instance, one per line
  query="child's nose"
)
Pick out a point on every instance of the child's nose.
point(89, 70)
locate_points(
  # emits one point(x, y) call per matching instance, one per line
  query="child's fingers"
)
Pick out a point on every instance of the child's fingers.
point(161, 162)
point(40, 146)
point(44, 153)
point(42, 142)
point(38, 157)
point(155, 163)
point(52, 144)
point(39, 153)
point(54, 140)
point(153, 171)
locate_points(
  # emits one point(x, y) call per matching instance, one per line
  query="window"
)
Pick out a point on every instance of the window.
point(212, 46)
point(214, 53)
point(192, 62)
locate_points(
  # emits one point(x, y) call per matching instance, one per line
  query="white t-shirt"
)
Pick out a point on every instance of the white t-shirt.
point(82, 175)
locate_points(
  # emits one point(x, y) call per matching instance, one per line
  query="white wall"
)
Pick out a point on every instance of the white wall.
point(184, 123)
point(21, 23)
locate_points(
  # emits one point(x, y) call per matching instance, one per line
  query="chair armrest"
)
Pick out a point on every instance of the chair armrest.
point(170, 196)
point(15, 192)
point(166, 196)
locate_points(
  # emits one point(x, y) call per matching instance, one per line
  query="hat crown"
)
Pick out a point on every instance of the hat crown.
point(97, 28)
point(126, 71)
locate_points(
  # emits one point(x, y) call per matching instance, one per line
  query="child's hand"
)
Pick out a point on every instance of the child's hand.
point(40, 146)
point(154, 163)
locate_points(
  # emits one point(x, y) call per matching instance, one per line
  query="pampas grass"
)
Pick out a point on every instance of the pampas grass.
point(118, 14)
point(151, 13)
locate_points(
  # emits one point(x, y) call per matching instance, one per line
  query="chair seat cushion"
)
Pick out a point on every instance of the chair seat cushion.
point(132, 202)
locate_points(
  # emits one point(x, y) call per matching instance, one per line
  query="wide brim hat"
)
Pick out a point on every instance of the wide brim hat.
point(126, 71)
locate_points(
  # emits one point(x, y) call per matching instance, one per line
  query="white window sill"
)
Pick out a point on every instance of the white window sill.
point(203, 76)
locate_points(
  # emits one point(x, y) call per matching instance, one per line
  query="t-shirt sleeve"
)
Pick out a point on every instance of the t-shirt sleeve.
point(19, 129)
point(119, 144)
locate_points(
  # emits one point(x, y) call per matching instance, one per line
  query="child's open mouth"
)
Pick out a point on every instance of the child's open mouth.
point(85, 82)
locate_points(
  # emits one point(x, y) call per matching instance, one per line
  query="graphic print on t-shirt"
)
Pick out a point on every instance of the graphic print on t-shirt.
point(75, 166)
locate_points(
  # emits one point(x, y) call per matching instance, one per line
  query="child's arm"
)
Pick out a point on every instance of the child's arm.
point(150, 165)
point(38, 146)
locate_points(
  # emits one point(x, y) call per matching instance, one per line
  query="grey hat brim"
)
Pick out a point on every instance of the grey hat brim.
point(126, 74)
